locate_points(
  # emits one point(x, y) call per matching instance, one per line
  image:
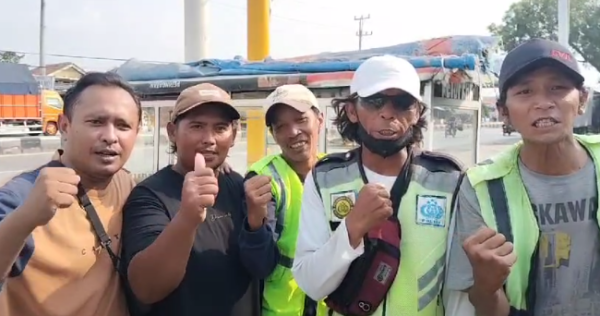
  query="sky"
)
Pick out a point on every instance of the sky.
point(152, 30)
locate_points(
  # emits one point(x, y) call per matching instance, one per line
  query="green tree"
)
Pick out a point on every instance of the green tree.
point(538, 18)
point(10, 57)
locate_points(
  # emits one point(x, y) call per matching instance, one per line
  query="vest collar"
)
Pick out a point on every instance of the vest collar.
point(507, 161)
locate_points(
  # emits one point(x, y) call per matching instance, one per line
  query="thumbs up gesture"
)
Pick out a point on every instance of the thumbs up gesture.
point(200, 190)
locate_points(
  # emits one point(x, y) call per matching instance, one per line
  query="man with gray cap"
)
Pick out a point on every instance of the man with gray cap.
point(526, 241)
point(273, 189)
point(180, 225)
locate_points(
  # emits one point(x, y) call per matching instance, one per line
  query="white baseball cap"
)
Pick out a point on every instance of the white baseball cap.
point(379, 73)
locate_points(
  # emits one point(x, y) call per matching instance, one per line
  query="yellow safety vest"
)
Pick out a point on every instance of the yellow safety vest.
point(506, 208)
point(281, 295)
point(424, 213)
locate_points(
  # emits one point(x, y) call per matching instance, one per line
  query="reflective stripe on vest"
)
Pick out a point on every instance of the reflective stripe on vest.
point(281, 295)
point(281, 201)
point(506, 208)
point(424, 214)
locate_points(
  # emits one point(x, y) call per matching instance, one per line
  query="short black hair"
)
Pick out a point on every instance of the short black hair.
point(104, 79)
point(349, 130)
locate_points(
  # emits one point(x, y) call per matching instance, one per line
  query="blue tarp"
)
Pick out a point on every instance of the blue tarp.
point(455, 52)
point(16, 79)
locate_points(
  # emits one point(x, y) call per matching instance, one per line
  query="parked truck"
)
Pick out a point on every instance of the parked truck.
point(25, 108)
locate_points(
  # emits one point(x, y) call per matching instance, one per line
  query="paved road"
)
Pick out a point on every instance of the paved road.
point(142, 158)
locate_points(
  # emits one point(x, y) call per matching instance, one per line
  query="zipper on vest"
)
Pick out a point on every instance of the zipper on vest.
point(384, 309)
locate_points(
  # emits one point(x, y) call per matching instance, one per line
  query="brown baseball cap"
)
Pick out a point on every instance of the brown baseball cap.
point(204, 93)
point(295, 95)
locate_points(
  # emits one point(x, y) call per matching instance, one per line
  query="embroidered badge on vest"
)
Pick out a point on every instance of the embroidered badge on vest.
point(431, 210)
point(342, 203)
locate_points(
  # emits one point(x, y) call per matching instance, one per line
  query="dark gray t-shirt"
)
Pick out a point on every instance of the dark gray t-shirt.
point(568, 274)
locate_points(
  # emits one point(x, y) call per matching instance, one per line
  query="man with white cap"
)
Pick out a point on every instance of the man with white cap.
point(363, 208)
point(273, 194)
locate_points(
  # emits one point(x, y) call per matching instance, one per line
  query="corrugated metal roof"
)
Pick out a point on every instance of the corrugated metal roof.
point(16, 79)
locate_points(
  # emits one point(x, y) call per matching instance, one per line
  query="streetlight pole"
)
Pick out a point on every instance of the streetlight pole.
point(564, 21)
point(42, 38)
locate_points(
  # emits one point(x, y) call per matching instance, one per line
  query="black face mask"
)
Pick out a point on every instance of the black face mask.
point(384, 147)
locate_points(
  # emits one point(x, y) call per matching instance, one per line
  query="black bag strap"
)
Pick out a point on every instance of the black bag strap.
point(101, 234)
point(461, 177)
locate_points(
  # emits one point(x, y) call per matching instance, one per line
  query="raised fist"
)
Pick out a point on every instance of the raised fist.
point(54, 188)
point(258, 195)
point(200, 189)
point(491, 257)
point(373, 207)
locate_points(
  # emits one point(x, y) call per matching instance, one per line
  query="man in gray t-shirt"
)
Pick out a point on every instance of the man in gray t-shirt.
point(568, 274)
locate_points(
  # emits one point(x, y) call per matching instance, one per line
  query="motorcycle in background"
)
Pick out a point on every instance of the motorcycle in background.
point(450, 129)
point(507, 129)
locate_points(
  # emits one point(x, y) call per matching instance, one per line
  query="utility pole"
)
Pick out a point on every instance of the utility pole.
point(43, 38)
point(361, 32)
point(564, 7)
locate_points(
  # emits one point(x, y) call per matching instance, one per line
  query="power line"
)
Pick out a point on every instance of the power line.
point(361, 32)
point(80, 56)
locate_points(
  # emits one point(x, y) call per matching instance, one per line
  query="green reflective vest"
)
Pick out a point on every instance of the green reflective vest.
point(281, 295)
point(424, 213)
point(506, 208)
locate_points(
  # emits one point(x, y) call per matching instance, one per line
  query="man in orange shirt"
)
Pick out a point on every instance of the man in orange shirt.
point(51, 260)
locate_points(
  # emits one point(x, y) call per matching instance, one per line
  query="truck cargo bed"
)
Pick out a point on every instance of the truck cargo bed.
point(19, 93)
point(19, 106)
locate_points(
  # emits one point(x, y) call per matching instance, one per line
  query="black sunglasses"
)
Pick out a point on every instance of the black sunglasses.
point(401, 102)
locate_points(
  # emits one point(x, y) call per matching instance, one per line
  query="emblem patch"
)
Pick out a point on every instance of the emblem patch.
point(383, 273)
point(431, 210)
point(342, 203)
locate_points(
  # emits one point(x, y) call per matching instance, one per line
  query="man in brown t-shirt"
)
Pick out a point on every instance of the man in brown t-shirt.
point(50, 258)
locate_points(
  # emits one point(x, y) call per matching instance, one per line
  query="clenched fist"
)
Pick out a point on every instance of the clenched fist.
point(373, 207)
point(200, 189)
point(258, 195)
point(54, 188)
point(491, 257)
